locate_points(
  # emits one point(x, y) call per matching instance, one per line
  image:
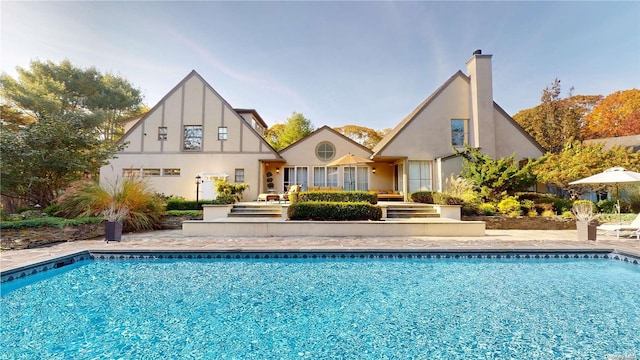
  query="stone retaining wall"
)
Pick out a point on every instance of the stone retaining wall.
point(524, 222)
point(15, 239)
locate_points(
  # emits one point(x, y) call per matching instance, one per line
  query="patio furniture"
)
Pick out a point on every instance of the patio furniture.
point(634, 227)
point(292, 189)
point(268, 197)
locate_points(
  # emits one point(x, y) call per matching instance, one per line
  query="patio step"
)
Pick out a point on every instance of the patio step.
point(406, 211)
point(253, 211)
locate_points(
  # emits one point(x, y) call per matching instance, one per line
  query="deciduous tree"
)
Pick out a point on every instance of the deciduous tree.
point(556, 120)
point(295, 128)
point(578, 160)
point(362, 135)
point(618, 114)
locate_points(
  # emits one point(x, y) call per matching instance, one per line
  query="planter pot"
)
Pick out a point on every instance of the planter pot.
point(586, 231)
point(113, 231)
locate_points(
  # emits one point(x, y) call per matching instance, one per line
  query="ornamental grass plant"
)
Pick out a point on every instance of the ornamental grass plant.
point(127, 199)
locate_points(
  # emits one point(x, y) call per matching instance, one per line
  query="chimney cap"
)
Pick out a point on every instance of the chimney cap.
point(477, 52)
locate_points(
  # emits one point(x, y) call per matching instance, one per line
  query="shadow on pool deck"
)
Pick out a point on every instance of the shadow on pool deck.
point(175, 240)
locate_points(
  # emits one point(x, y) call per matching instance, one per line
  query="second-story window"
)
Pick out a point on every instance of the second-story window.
point(192, 137)
point(162, 133)
point(459, 132)
point(222, 133)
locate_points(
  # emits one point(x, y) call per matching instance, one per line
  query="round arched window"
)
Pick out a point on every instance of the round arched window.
point(325, 151)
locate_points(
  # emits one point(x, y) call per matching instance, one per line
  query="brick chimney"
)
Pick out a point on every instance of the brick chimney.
point(482, 127)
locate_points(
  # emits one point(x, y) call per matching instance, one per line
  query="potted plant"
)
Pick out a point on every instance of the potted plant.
point(270, 184)
point(114, 215)
point(586, 224)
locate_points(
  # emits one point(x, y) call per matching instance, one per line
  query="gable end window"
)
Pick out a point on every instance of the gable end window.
point(192, 138)
point(222, 133)
point(162, 133)
point(459, 132)
point(325, 151)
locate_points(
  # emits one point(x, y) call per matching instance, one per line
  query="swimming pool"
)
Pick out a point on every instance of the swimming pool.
point(319, 305)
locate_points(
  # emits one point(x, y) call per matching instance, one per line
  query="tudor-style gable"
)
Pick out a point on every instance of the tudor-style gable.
point(194, 133)
point(194, 118)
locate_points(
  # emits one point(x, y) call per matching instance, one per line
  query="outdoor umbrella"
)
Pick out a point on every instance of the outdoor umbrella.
point(349, 159)
point(614, 176)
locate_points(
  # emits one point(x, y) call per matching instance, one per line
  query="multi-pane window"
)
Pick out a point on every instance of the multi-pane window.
point(171, 172)
point(325, 176)
point(130, 172)
point(162, 133)
point(419, 176)
point(151, 172)
point(459, 132)
point(222, 133)
point(239, 178)
point(319, 176)
point(192, 137)
point(325, 151)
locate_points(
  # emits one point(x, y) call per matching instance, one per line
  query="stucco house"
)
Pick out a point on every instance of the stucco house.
point(193, 132)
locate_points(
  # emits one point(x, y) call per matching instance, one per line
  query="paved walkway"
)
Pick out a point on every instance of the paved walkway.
point(174, 240)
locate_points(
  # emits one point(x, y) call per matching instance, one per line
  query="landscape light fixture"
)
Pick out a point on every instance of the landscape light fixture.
point(198, 182)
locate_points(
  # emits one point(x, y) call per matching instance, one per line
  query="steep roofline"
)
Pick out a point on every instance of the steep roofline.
point(177, 86)
point(412, 115)
point(255, 113)
point(519, 128)
point(332, 130)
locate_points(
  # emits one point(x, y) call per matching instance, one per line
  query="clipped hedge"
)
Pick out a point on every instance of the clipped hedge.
point(337, 196)
point(423, 197)
point(334, 211)
point(55, 222)
point(179, 204)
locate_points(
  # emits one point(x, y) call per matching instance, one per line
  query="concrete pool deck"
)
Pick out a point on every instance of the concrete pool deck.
point(176, 240)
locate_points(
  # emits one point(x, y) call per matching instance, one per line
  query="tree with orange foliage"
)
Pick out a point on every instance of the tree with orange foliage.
point(617, 114)
point(362, 135)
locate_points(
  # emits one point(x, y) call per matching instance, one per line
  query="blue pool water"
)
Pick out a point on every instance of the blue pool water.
point(325, 309)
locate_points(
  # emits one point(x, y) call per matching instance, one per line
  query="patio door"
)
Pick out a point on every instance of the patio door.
point(296, 175)
point(355, 178)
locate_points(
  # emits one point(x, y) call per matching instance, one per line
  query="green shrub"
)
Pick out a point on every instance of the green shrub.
point(224, 189)
point(184, 213)
point(334, 211)
point(423, 197)
point(487, 209)
point(527, 206)
point(56, 222)
point(181, 204)
point(562, 205)
point(528, 195)
point(469, 209)
point(446, 199)
point(606, 206)
point(631, 195)
point(336, 196)
point(510, 206)
point(565, 214)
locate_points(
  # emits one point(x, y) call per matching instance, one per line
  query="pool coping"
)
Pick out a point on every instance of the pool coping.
point(441, 253)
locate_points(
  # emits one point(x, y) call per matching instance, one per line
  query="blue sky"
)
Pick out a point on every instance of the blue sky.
point(338, 63)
